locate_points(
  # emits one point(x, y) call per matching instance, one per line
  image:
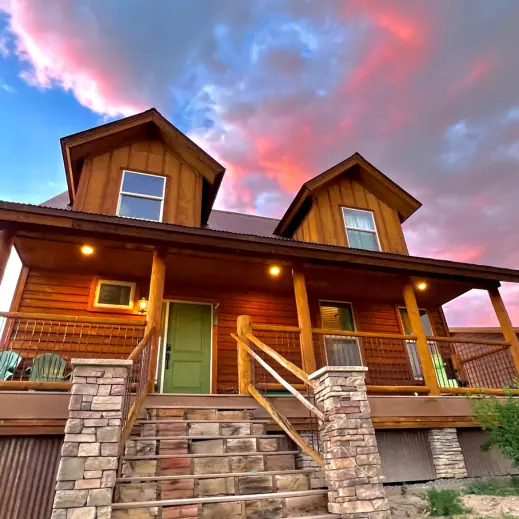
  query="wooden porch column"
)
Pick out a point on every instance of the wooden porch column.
point(421, 341)
point(6, 244)
point(305, 322)
point(243, 327)
point(158, 277)
point(506, 324)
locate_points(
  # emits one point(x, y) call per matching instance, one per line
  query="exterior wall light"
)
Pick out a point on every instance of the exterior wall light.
point(87, 250)
point(275, 270)
point(142, 305)
point(422, 285)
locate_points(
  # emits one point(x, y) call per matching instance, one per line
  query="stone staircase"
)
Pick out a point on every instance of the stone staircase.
point(187, 463)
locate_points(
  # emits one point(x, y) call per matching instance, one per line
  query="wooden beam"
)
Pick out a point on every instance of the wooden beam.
point(17, 385)
point(506, 324)
point(305, 322)
point(158, 277)
point(421, 340)
point(244, 327)
point(285, 425)
point(6, 244)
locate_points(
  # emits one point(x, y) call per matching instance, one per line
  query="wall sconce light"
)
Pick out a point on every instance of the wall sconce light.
point(142, 305)
point(87, 250)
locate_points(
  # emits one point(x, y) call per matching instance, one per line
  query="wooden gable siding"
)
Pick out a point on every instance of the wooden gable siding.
point(324, 222)
point(101, 178)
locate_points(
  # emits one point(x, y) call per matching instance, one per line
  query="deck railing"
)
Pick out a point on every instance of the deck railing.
point(36, 349)
point(462, 365)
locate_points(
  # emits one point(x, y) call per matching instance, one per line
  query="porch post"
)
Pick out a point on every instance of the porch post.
point(158, 276)
point(421, 341)
point(305, 322)
point(6, 244)
point(243, 327)
point(506, 324)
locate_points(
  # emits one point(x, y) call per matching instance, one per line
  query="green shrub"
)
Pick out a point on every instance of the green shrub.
point(444, 502)
point(494, 488)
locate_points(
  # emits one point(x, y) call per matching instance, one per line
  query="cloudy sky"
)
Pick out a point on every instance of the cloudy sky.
point(280, 90)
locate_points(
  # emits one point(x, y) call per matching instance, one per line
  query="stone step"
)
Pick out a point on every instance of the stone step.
point(210, 455)
point(296, 503)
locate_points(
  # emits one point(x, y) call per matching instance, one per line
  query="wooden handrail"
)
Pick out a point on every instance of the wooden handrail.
point(479, 391)
point(135, 353)
point(275, 328)
point(285, 425)
point(71, 318)
point(341, 333)
point(284, 383)
point(465, 340)
point(289, 366)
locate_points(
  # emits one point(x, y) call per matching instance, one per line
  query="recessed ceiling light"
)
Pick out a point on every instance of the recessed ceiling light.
point(87, 250)
point(422, 285)
point(275, 270)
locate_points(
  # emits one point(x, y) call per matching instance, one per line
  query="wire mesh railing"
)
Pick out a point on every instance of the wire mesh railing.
point(38, 348)
point(472, 363)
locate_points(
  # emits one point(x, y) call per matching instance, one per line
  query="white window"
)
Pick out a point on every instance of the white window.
point(412, 350)
point(361, 229)
point(141, 196)
point(114, 294)
point(340, 350)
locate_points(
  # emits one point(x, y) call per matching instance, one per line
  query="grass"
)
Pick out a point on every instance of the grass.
point(509, 487)
point(445, 503)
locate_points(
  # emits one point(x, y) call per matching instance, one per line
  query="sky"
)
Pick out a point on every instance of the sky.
point(279, 91)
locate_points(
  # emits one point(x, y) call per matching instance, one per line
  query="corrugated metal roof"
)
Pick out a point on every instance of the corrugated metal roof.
point(61, 201)
point(28, 467)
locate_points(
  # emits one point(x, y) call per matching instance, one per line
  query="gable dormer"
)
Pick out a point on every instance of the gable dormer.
point(353, 204)
point(141, 167)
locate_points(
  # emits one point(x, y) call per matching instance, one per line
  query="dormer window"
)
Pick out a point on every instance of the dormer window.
point(141, 196)
point(361, 229)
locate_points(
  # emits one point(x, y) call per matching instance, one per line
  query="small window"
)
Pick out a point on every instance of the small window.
point(412, 350)
point(141, 196)
point(340, 351)
point(361, 229)
point(114, 294)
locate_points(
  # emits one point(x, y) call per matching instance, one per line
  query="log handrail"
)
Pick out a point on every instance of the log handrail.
point(289, 366)
point(71, 318)
point(285, 425)
point(341, 333)
point(284, 383)
point(275, 328)
point(135, 353)
point(466, 340)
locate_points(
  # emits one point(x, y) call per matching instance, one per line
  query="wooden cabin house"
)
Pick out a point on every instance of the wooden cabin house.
point(134, 249)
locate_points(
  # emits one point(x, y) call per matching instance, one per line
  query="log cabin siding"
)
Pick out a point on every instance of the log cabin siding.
point(324, 223)
point(101, 177)
point(68, 294)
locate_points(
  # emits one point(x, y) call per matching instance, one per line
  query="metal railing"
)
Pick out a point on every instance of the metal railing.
point(36, 349)
point(464, 364)
point(136, 389)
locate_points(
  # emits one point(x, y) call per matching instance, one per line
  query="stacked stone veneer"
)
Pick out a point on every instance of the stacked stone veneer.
point(352, 462)
point(88, 465)
point(447, 455)
point(304, 461)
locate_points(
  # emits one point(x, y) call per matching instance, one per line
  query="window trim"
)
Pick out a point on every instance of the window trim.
point(346, 227)
point(131, 284)
point(139, 195)
point(359, 346)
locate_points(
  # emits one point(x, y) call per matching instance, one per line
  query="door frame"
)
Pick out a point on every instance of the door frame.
point(164, 337)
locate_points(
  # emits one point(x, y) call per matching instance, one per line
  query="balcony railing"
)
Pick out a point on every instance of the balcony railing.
point(36, 349)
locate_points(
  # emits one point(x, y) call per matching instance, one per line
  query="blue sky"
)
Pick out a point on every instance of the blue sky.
point(279, 91)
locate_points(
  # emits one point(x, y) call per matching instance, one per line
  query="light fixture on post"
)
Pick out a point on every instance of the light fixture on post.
point(87, 250)
point(421, 285)
point(274, 271)
point(142, 305)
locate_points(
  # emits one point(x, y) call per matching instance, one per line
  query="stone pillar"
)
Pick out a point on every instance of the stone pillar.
point(447, 455)
point(352, 463)
point(89, 457)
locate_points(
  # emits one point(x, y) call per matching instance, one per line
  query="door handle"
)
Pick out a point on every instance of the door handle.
point(168, 354)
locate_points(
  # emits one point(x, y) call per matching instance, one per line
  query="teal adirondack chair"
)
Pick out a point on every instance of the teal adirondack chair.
point(9, 361)
point(48, 367)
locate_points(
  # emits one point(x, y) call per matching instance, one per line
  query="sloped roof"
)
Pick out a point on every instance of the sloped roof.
point(365, 173)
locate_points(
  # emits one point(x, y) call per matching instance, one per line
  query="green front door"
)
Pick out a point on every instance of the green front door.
point(188, 349)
